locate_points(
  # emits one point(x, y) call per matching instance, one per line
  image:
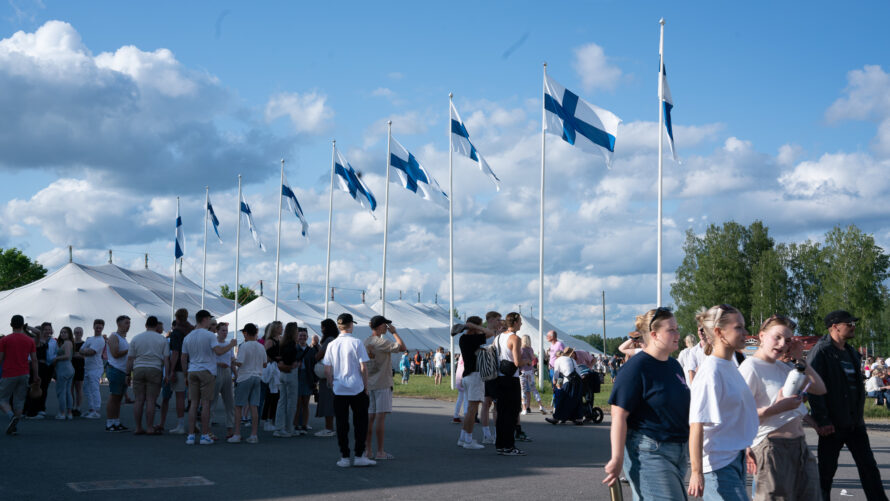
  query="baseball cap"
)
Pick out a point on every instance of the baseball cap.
point(202, 314)
point(839, 317)
point(377, 321)
point(345, 319)
point(249, 329)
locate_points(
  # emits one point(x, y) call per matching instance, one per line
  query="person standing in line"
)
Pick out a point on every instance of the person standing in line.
point(146, 358)
point(15, 350)
point(92, 350)
point(527, 377)
point(494, 323)
point(64, 373)
point(722, 414)
point(175, 376)
point(269, 401)
point(199, 352)
point(782, 464)
point(250, 361)
point(509, 400)
point(470, 342)
point(223, 388)
point(325, 407)
point(306, 376)
point(650, 416)
point(380, 352)
point(346, 372)
point(77, 362)
point(684, 355)
point(839, 413)
point(289, 390)
point(697, 355)
point(116, 372)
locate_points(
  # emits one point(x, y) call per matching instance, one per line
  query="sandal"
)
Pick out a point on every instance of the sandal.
point(385, 455)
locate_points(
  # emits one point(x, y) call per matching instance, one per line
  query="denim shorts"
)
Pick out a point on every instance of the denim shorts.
point(247, 392)
point(655, 470)
point(117, 381)
point(727, 483)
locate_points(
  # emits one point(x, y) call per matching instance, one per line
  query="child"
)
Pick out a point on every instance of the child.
point(250, 361)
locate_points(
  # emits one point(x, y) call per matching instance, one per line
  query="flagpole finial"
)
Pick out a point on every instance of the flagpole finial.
point(282, 161)
point(334, 142)
point(389, 122)
point(450, 95)
point(661, 21)
point(545, 64)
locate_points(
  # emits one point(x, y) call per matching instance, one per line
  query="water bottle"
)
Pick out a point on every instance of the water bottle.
point(615, 491)
point(795, 380)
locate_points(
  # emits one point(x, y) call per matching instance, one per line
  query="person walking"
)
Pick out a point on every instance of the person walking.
point(380, 352)
point(15, 351)
point(839, 413)
point(65, 373)
point(147, 356)
point(650, 416)
point(346, 371)
point(722, 414)
point(509, 400)
point(92, 350)
point(783, 466)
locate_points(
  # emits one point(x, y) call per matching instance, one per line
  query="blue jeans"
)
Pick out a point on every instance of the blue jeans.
point(655, 470)
point(64, 378)
point(883, 397)
point(727, 483)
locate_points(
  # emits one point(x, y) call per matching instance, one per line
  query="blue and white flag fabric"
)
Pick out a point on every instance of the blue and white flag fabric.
point(294, 205)
point(213, 220)
point(179, 243)
point(250, 225)
point(578, 122)
point(351, 182)
point(460, 143)
point(667, 104)
point(414, 176)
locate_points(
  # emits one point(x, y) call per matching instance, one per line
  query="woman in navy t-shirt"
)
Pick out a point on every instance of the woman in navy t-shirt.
point(650, 415)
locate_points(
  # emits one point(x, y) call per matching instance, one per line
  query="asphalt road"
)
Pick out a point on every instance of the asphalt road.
point(563, 461)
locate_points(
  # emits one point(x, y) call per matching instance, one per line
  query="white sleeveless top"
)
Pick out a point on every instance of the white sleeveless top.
point(121, 362)
point(504, 351)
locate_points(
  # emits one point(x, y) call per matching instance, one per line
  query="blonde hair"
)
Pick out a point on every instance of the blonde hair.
point(778, 320)
point(526, 341)
point(568, 352)
point(645, 323)
point(690, 341)
point(713, 317)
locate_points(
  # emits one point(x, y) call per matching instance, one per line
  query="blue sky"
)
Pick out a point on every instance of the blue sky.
point(781, 114)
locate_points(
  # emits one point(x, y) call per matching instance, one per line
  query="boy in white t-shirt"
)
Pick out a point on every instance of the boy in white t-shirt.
point(251, 360)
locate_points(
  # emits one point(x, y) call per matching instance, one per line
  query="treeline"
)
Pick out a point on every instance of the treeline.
point(745, 267)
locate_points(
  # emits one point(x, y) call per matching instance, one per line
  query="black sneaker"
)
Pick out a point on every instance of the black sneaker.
point(110, 428)
point(13, 424)
point(511, 452)
point(551, 420)
point(522, 437)
point(75, 413)
point(120, 427)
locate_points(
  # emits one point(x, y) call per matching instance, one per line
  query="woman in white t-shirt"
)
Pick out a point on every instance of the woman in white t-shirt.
point(782, 465)
point(722, 413)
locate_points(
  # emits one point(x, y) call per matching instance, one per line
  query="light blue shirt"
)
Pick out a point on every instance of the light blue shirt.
point(52, 349)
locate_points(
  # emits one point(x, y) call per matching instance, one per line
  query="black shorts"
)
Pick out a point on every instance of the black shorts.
point(491, 388)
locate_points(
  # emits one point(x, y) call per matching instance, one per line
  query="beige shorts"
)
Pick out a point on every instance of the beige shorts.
point(786, 469)
point(147, 381)
point(201, 386)
point(380, 401)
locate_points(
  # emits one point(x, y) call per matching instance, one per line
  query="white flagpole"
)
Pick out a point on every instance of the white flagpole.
point(237, 255)
point(204, 267)
point(176, 238)
point(278, 250)
point(386, 217)
point(660, 152)
point(327, 271)
point(451, 235)
point(541, 261)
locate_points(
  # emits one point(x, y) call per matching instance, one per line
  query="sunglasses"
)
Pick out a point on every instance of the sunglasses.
point(660, 312)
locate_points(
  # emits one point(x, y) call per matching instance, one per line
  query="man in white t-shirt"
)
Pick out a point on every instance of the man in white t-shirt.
point(439, 365)
point(251, 361)
point(380, 350)
point(199, 351)
point(146, 359)
point(92, 369)
point(347, 374)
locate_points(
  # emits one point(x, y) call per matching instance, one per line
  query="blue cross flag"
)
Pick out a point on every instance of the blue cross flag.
point(179, 243)
point(252, 227)
point(460, 143)
point(294, 205)
point(414, 177)
point(351, 182)
point(667, 104)
point(578, 122)
point(213, 219)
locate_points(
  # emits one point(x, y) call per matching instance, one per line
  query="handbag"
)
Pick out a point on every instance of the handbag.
point(319, 370)
point(34, 391)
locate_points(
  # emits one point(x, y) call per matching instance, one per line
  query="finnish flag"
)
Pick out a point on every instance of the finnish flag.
point(252, 227)
point(578, 122)
point(667, 104)
point(351, 182)
point(414, 176)
point(460, 143)
point(179, 244)
point(294, 205)
point(213, 220)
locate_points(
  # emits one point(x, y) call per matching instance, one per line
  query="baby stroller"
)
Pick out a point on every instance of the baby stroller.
point(592, 381)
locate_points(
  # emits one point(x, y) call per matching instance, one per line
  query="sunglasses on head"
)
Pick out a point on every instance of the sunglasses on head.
point(660, 312)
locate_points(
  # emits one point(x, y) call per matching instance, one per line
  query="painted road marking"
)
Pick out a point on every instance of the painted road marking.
point(148, 483)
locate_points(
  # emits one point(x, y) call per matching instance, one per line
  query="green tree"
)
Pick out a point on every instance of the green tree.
point(806, 265)
point(596, 340)
point(769, 288)
point(17, 269)
point(245, 294)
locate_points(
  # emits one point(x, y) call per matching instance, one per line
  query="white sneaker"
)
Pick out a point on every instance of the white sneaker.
point(42, 414)
point(190, 440)
point(282, 434)
point(206, 440)
point(252, 439)
point(472, 444)
point(460, 442)
point(523, 413)
point(489, 440)
point(179, 430)
point(363, 461)
point(268, 426)
point(344, 463)
point(325, 433)
point(91, 415)
point(60, 417)
point(234, 439)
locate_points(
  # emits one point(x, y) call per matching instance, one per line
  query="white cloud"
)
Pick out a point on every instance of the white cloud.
point(382, 92)
point(307, 112)
point(595, 69)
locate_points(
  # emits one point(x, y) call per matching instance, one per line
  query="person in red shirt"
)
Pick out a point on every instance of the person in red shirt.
point(14, 352)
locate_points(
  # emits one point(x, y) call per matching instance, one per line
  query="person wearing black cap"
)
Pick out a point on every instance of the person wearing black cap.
point(839, 413)
point(380, 352)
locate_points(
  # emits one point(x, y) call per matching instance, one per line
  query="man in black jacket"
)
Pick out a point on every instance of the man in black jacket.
point(839, 413)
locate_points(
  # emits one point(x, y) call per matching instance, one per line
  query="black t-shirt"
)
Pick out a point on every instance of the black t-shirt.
point(273, 350)
point(656, 397)
point(176, 338)
point(469, 343)
point(288, 354)
point(77, 362)
point(850, 370)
